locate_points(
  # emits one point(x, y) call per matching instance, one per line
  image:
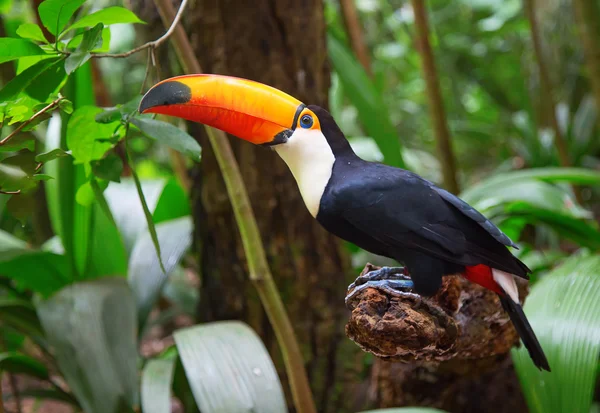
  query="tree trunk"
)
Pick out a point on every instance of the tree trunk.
point(280, 43)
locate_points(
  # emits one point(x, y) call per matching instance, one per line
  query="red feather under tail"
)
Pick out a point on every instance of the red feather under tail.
point(482, 274)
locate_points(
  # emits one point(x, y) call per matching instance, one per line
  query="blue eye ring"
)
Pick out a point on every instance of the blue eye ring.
point(306, 121)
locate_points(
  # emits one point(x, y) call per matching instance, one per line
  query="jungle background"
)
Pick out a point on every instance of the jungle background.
point(493, 100)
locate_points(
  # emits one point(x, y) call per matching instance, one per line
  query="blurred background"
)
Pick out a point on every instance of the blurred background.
point(494, 100)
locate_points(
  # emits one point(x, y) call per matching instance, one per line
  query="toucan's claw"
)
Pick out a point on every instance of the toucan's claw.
point(392, 280)
point(383, 273)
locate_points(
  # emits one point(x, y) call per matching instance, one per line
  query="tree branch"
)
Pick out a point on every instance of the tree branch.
point(547, 90)
point(153, 44)
point(50, 106)
point(434, 94)
point(260, 273)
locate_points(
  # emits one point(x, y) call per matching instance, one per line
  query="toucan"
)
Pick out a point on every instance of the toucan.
point(385, 210)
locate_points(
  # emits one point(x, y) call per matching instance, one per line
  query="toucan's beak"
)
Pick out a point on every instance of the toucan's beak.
point(249, 110)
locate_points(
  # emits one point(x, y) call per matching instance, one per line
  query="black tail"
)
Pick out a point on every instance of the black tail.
point(517, 316)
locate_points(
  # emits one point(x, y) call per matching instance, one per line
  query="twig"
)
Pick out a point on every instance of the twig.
point(434, 95)
point(260, 273)
point(50, 106)
point(547, 90)
point(153, 44)
point(355, 33)
point(10, 192)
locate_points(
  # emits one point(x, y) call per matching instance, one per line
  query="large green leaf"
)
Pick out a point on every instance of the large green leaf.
point(92, 328)
point(169, 135)
point(564, 311)
point(55, 14)
point(40, 271)
point(107, 16)
point(578, 176)
point(11, 49)
point(157, 378)
point(372, 111)
point(146, 277)
point(87, 236)
point(229, 369)
point(86, 138)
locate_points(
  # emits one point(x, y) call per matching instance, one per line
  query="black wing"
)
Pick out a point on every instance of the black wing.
point(401, 210)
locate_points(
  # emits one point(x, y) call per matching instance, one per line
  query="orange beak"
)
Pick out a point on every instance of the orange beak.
point(249, 110)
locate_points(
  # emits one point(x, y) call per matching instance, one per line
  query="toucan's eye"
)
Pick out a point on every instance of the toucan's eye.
point(306, 121)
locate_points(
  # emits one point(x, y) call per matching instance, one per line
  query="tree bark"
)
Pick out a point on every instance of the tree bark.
point(442, 351)
point(436, 102)
point(588, 24)
point(259, 41)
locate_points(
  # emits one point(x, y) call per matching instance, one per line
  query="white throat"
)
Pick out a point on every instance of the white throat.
point(310, 158)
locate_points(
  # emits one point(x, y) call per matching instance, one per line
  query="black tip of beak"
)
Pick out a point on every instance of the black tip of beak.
point(164, 94)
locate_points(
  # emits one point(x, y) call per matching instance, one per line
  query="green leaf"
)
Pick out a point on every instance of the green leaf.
point(222, 356)
point(372, 110)
point(564, 311)
point(107, 16)
point(21, 364)
point(108, 116)
point(42, 177)
point(32, 32)
point(47, 83)
point(82, 54)
point(11, 246)
point(169, 135)
point(578, 176)
point(51, 155)
point(21, 206)
point(173, 203)
point(13, 178)
point(84, 135)
point(66, 106)
point(157, 378)
point(50, 394)
point(146, 277)
point(101, 46)
point(71, 221)
point(55, 14)
point(25, 78)
point(20, 315)
point(40, 271)
point(128, 211)
point(12, 48)
point(92, 329)
point(148, 215)
point(109, 168)
point(85, 195)
point(18, 142)
point(101, 201)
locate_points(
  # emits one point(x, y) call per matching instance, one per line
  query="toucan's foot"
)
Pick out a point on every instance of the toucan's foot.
point(393, 280)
